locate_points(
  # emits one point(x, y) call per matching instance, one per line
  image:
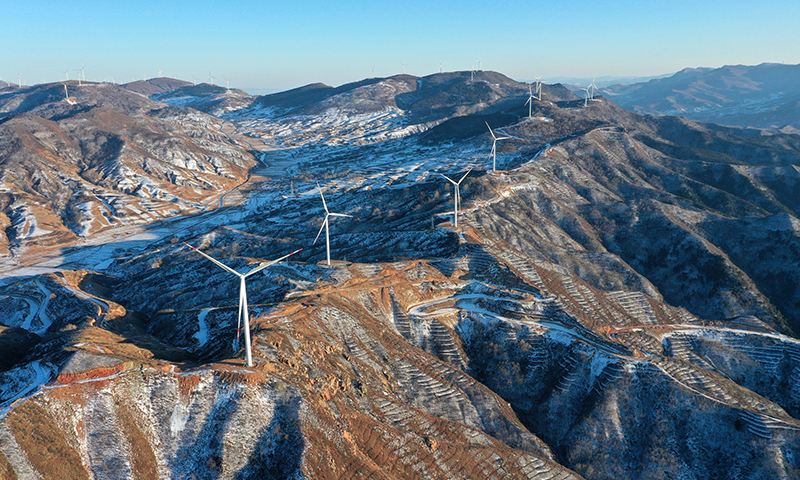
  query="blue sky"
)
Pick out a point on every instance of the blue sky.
point(280, 45)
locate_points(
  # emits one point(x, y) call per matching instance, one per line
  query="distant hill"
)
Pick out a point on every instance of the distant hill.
point(761, 96)
point(155, 85)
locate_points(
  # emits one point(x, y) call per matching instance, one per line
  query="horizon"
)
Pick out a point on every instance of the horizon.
point(279, 47)
point(602, 81)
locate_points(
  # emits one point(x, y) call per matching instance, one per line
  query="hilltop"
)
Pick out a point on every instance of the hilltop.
point(760, 96)
point(619, 299)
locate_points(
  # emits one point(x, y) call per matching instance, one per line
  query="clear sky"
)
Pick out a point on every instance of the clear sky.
point(277, 45)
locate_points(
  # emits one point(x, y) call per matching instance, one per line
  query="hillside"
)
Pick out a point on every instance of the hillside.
point(112, 159)
point(617, 302)
point(761, 96)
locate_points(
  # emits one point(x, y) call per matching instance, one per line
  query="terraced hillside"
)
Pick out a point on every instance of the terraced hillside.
point(616, 302)
point(113, 159)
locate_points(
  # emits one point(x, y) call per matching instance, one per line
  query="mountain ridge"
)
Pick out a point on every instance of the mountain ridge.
point(616, 301)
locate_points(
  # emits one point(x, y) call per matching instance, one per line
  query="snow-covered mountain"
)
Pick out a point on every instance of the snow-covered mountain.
point(617, 301)
point(761, 96)
point(111, 158)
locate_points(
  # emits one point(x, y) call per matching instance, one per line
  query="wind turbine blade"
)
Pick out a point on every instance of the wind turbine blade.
point(270, 263)
point(217, 262)
point(323, 198)
point(320, 230)
point(503, 138)
point(490, 129)
point(465, 176)
point(448, 178)
point(340, 215)
point(529, 101)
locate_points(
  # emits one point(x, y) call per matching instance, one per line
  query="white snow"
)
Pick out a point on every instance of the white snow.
point(22, 381)
point(180, 415)
point(202, 333)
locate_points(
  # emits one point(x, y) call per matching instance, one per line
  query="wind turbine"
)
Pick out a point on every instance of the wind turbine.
point(19, 81)
point(243, 312)
point(592, 87)
point(211, 77)
point(326, 224)
point(494, 146)
point(66, 72)
point(456, 195)
point(539, 87)
point(194, 80)
point(80, 74)
point(479, 64)
point(440, 67)
point(228, 83)
point(529, 103)
point(373, 71)
point(404, 67)
point(586, 98)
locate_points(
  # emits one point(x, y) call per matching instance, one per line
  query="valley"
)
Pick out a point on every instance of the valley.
point(619, 300)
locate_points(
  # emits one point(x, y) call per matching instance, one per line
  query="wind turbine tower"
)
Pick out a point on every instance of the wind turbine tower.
point(494, 146)
point(71, 101)
point(456, 195)
point(586, 98)
point(440, 67)
point(326, 225)
point(243, 309)
point(539, 88)
point(529, 103)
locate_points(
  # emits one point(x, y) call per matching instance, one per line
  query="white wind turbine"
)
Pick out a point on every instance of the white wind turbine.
point(243, 294)
point(211, 78)
point(456, 195)
point(66, 72)
point(81, 75)
point(539, 87)
point(228, 83)
point(404, 67)
point(592, 87)
point(586, 98)
point(326, 225)
point(440, 67)
point(494, 146)
point(529, 103)
point(19, 81)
